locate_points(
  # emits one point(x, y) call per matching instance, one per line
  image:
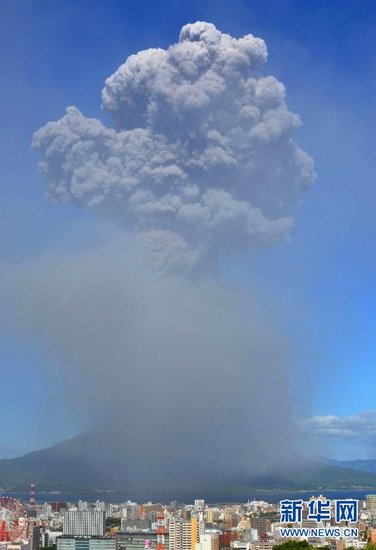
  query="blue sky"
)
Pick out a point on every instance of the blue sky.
point(54, 54)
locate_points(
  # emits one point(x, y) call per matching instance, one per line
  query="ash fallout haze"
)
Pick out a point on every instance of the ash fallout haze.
point(160, 300)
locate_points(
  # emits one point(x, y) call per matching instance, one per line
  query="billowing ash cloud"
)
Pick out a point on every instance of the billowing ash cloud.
point(184, 382)
point(200, 159)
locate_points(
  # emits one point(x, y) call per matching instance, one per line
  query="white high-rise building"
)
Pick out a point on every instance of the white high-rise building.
point(183, 535)
point(84, 523)
point(175, 534)
point(199, 505)
point(208, 541)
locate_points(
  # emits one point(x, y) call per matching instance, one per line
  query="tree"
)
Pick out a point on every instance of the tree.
point(294, 545)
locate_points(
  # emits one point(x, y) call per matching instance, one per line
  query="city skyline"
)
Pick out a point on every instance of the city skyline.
point(250, 525)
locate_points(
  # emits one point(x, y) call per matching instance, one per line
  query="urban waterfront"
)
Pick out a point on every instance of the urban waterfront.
point(118, 497)
point(333, 522)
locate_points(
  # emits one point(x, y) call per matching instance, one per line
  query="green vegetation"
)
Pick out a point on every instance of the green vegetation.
point(299, 545)
point(293, 545)
point(113, 522)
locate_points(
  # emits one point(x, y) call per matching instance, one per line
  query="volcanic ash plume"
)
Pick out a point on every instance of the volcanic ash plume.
point(200, 159)
point(187, 379)
point(181, 381)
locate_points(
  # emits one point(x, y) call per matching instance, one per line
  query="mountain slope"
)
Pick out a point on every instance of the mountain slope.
point(64, 465)
point(90, 461)
point(366, 465)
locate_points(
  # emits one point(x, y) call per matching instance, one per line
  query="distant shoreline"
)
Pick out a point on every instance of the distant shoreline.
point(269, 495)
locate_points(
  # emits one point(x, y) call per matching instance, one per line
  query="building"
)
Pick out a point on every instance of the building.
point(58, 506)
point(183, 535)
point(250, 536)
point(84, 523)
point(17, 546)
point(175, 535)
point(197, 530)
point(135, 524)
point(34, 537)
point(85, 543)
point(244, 545)
point(262, 524)
point(211, 515)
point(263, 545)
point(138, 540)
point(226, 538)
point(208, 541)
point(371, 504)
point(199, 505)
point(131, 511)
point(199, 508)
point(48, 538)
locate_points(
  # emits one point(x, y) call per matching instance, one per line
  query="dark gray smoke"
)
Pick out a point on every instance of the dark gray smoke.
point(187, 376)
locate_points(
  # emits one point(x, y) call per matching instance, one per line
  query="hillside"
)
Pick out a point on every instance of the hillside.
point(88, 462)
point(366, 465)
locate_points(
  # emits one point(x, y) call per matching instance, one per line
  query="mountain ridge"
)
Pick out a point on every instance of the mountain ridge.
point(88, 462)
point(362, 465)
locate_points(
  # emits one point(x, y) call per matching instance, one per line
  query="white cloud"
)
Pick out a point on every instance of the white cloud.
point(360, 427)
